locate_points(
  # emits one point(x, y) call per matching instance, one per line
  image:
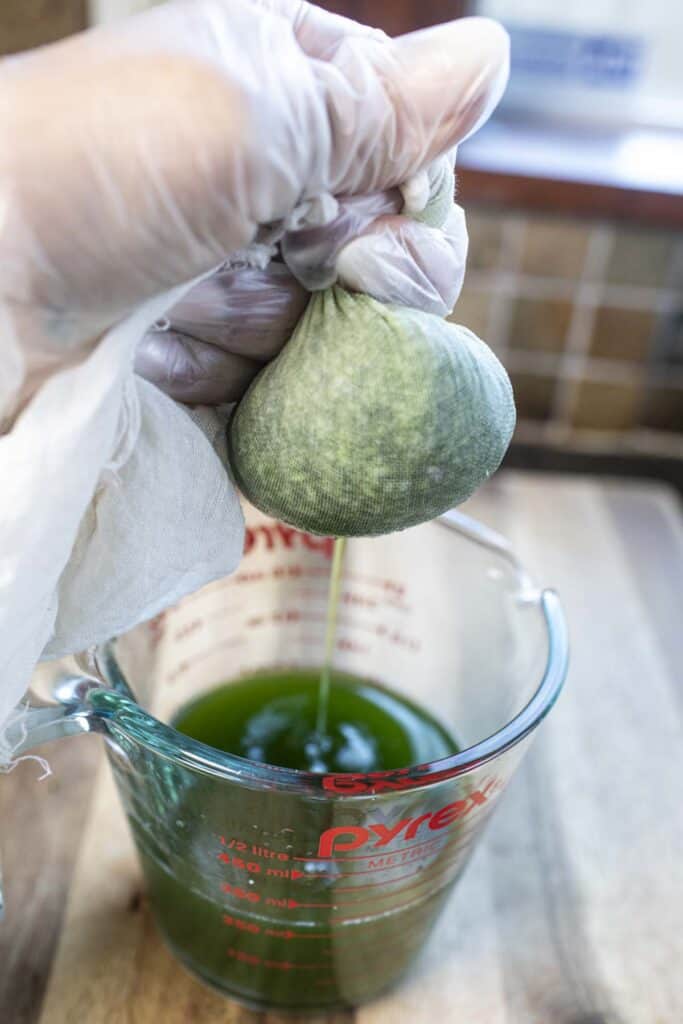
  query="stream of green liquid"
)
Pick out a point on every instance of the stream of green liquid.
point(330, 633)
point(316, 720)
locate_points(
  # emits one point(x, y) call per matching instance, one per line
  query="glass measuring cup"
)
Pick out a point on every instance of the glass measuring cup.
point(298, 891)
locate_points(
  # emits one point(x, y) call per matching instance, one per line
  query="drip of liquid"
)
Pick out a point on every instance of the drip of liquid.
point(317, 720)
point(330, 635)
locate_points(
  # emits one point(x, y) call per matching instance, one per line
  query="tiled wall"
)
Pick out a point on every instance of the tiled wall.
point(587, 316)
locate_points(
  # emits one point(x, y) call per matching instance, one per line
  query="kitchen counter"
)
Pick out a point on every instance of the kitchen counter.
point(571, 911)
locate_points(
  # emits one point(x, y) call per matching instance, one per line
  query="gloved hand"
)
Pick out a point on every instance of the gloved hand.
point(135, 160)
point(211, 345)
point(141, 155)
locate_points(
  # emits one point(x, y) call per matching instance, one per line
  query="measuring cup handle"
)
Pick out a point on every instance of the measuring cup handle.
point(34, 721)
point(31, 725)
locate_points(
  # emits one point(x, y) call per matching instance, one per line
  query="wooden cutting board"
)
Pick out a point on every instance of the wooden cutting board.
point(572, 909)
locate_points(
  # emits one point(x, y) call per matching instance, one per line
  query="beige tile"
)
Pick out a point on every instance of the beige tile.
point(534, 395)
point(625, 334)
point(472, 310)
point(540, 324)
point(598, 405)
point(485, 228)
point(662, 409)
point(641, 257)
point(28, 23)
point(555, 248)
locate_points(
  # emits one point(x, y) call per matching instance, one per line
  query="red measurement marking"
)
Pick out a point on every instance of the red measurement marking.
point(250, 959)
point(377, 581)
point(311, 572)
point(243, 925)
point(156, 628)
point(249, 577)
point(352, 646)
point(238, 922)
point(187, 629)
point(290, 615)
point(239, 893)
point(284, 903)
point(254, 868)
point(291, 571)
point(427, 876)
point(292, 904)
point(363, 600)
point(287, 934)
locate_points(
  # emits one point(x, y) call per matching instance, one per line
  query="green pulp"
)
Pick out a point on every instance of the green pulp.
point(273, 717)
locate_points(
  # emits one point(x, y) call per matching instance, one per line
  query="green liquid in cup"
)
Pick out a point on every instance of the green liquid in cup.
point(243, 889)
point(239, 886)
point(272, 717)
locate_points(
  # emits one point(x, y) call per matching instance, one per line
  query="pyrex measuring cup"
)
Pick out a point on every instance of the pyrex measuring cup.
point(292, 890)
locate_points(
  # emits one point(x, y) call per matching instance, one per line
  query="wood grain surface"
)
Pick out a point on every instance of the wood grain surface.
point(571, 911)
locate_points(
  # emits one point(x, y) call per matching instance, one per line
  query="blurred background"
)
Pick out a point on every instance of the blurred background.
point(574, 195)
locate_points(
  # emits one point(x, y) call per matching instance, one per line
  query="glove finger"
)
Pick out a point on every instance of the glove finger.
point(318, 32)
point(248, 311)
point(193, 371)
point(393, 108)
point(311, 253)
point(403, 261)
point(215, 340)
point(469, 57)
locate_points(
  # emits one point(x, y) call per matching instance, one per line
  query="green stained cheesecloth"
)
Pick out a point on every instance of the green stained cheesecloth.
point(373, 417)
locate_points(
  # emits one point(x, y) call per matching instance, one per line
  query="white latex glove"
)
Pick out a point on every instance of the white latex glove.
point(209, 347)
point(139, 156)
point(136, 158)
